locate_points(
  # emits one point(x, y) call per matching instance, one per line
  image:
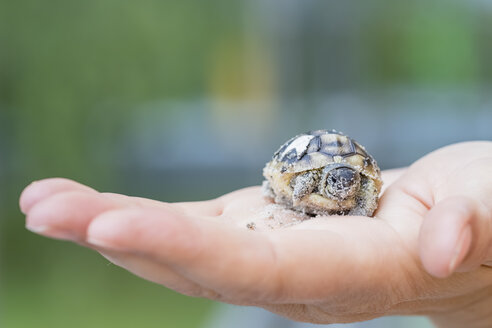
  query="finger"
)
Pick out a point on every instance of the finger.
point(246, 197)
point(39, 190)
point(390, 176)
point(155, 272)
point(464, 197)
point(62, 208)
point(240, 201)
point(66, 215)
point(455, 236)
point(213, 207)
point(233, 262)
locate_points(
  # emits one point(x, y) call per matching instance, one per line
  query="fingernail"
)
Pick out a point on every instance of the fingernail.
point(461, 249)
point(98, 242)
point(51, 232)
point(103, 244)
point(37, 229)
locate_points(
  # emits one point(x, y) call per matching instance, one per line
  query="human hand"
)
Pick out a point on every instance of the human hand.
point(423, 253)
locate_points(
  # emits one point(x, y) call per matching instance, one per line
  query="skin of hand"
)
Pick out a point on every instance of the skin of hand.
point(425, 252)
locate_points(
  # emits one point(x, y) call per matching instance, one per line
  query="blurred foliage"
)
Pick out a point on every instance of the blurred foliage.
point(424, 43)
point(433, 43)
point(75, 288)
point(441, 50)
point(64, 61)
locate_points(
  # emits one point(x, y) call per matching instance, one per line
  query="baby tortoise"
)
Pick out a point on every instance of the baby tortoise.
point(323, 172)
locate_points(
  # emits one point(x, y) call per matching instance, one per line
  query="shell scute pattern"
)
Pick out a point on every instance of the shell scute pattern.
point(319, 148)
point(337, 145)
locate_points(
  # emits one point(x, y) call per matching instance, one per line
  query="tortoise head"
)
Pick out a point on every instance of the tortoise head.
point(339, 181)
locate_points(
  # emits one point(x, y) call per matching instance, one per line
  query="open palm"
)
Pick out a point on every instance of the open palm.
point(434, 218)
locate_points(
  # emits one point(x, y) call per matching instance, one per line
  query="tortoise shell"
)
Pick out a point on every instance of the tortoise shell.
point(319, 148)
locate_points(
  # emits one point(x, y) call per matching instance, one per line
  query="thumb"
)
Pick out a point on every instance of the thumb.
point(456, 235)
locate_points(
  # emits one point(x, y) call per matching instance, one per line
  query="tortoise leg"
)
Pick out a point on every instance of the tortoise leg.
point(303, 184)
point(366, 199)
point(267, 189)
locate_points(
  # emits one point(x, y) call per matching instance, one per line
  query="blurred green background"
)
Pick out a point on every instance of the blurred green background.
point(183, 100)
